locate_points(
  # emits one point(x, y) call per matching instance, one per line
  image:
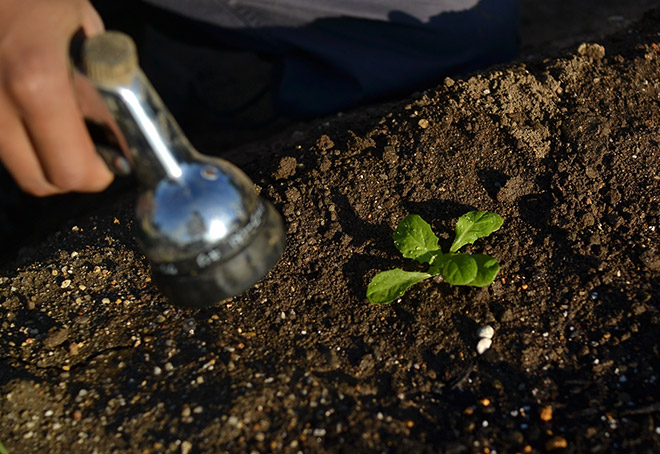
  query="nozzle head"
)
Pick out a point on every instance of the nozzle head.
point(207, 234)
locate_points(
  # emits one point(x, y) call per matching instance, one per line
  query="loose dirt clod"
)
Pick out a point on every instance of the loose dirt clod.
point(595, 51)
point(556, 442)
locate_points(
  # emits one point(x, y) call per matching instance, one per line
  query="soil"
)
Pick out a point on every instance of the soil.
point(565, 149)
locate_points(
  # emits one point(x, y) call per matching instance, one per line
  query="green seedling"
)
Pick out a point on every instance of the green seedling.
point(2, 449)
point(415, 240)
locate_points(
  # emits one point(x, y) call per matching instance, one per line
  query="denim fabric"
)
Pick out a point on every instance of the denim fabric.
point(334, 54)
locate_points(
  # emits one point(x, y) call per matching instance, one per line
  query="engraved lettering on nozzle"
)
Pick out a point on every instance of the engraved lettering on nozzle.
point(207, 258)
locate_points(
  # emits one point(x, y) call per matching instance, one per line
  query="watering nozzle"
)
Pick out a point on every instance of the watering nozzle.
point(200, 222)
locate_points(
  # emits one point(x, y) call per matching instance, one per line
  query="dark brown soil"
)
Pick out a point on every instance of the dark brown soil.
point(565, 150)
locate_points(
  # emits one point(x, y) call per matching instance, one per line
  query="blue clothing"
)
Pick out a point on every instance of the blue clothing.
point(333, 54)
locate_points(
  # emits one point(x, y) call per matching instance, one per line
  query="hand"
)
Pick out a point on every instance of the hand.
point(44, 143)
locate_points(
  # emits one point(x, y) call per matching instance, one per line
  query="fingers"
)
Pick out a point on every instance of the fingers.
point(17, 156)
point(56, 129)
point(92, 24)
point(44, 143)
point(93, 108)
point(89, 100)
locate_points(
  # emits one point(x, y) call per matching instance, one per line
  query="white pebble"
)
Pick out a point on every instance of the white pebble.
point(486, 332)
point(66, 283)
point(186, 447)
point(483, 345)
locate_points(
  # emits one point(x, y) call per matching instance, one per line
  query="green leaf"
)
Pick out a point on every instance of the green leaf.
point(487, 269)
point(387, 286)
point(438, 264)
point(414, 238)
point(430, 257)
point(474, 225)
point(458, 269)
point(2, 449)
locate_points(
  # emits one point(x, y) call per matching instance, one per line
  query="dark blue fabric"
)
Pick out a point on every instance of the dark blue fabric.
point(331, 64)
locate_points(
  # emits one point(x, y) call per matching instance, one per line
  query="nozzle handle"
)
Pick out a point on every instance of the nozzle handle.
point(156, 146)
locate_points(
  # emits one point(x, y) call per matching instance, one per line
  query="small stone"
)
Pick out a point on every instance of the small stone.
point(389, 155)
point(292, 195)
point(423, 123)
point(651, 259)
point(591, 173)
point(594, 51)
point(186, 447)
point(286, 168)
point(556, 442)
point(66, 283)
point(56, 338)
point(483, 345)
point(486, 332)
point(546, 413)
point(325, 143)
